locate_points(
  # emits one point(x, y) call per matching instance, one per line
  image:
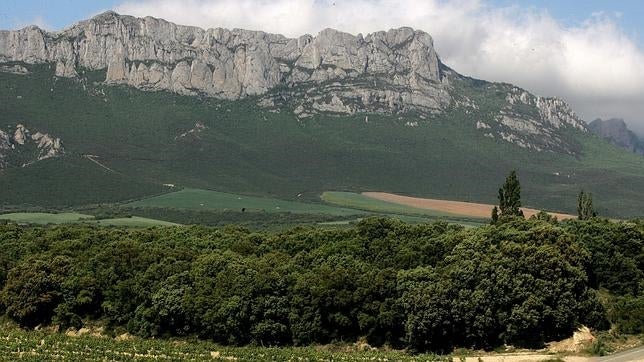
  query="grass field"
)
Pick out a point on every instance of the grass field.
point(18, 344)
point(339, 204)
point(135, 221)
point(45, 218)
point(197, 199)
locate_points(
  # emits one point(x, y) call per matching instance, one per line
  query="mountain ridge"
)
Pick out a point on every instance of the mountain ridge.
point(397, 71)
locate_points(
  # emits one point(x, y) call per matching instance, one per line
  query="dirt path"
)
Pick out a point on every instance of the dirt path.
point(456, 207)
point(525, 357)
point(93, 159)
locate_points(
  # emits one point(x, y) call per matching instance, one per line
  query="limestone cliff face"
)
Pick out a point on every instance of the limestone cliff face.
point(153, 53)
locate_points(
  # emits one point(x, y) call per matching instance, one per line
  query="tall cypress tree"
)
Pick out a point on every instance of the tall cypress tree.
point(495, 215)
point(510, 197)
point(585, 208)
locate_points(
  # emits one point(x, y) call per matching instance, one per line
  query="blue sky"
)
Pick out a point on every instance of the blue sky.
point(629, 13)
point(57, 14)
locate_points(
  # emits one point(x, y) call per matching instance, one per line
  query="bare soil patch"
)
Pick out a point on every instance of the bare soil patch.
point(469, 209)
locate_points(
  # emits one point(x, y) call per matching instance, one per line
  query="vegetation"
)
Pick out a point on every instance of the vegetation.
point(44, 217)
point(509, 198)
point(19, 344)
point(247, 149)
point(249, 219)
point(585, 208)
point(426, 287)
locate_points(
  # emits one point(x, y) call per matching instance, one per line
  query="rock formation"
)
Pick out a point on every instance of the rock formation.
point(153, 53)
point(20, 147)
point(616, 132)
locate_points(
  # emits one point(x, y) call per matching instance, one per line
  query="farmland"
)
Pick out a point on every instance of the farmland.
point(346, 207)
point(19, 344)
point(362, 202)
point(196, 199)
point(450, 207)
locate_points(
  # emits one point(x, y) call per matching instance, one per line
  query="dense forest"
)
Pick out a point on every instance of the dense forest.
point(426, 287)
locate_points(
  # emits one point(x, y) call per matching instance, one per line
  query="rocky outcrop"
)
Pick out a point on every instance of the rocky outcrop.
point(530, 121)
point(14, 69)
point(20, 147)
point(616, 132)
point(153, 53)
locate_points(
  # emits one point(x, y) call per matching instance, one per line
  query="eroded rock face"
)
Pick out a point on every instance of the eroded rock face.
point(616, 132)
point(537, 130)
point(153, 53)
point(20, 147)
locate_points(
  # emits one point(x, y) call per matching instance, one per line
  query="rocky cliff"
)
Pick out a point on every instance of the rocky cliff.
point(616, 132)
point(153, 53)
point(334, 72)
point(19, 147)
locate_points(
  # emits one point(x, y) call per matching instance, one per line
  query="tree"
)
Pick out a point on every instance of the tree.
point(34, 289)
point(510, 197)
point(495, 215)
point(585, 208)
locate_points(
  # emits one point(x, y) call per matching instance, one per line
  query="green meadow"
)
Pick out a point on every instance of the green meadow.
point(212, 200)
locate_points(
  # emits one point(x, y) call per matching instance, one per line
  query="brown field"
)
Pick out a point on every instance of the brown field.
point(455, 207)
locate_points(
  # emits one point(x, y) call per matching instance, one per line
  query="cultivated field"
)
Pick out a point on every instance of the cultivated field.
point(197, 199)
point(362, 202)
point(23, 345)
point(453, 207)
point(17, 344)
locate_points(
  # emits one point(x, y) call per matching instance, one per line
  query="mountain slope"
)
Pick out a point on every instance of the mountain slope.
point(404, 123)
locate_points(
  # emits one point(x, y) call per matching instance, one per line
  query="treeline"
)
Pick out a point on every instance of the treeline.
point(430, 287)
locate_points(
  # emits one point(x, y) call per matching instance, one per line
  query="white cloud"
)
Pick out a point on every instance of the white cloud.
point(39, 21)
point(593, 65)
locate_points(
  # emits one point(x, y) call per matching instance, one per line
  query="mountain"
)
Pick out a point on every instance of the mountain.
point(615, 131)
point(385, 72)
point(143, 103)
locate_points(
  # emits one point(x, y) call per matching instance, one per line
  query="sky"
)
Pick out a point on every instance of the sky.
point(587, 52)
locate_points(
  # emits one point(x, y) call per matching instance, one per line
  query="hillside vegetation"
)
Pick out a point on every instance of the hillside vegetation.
point(122, 144)
point(427, 287)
